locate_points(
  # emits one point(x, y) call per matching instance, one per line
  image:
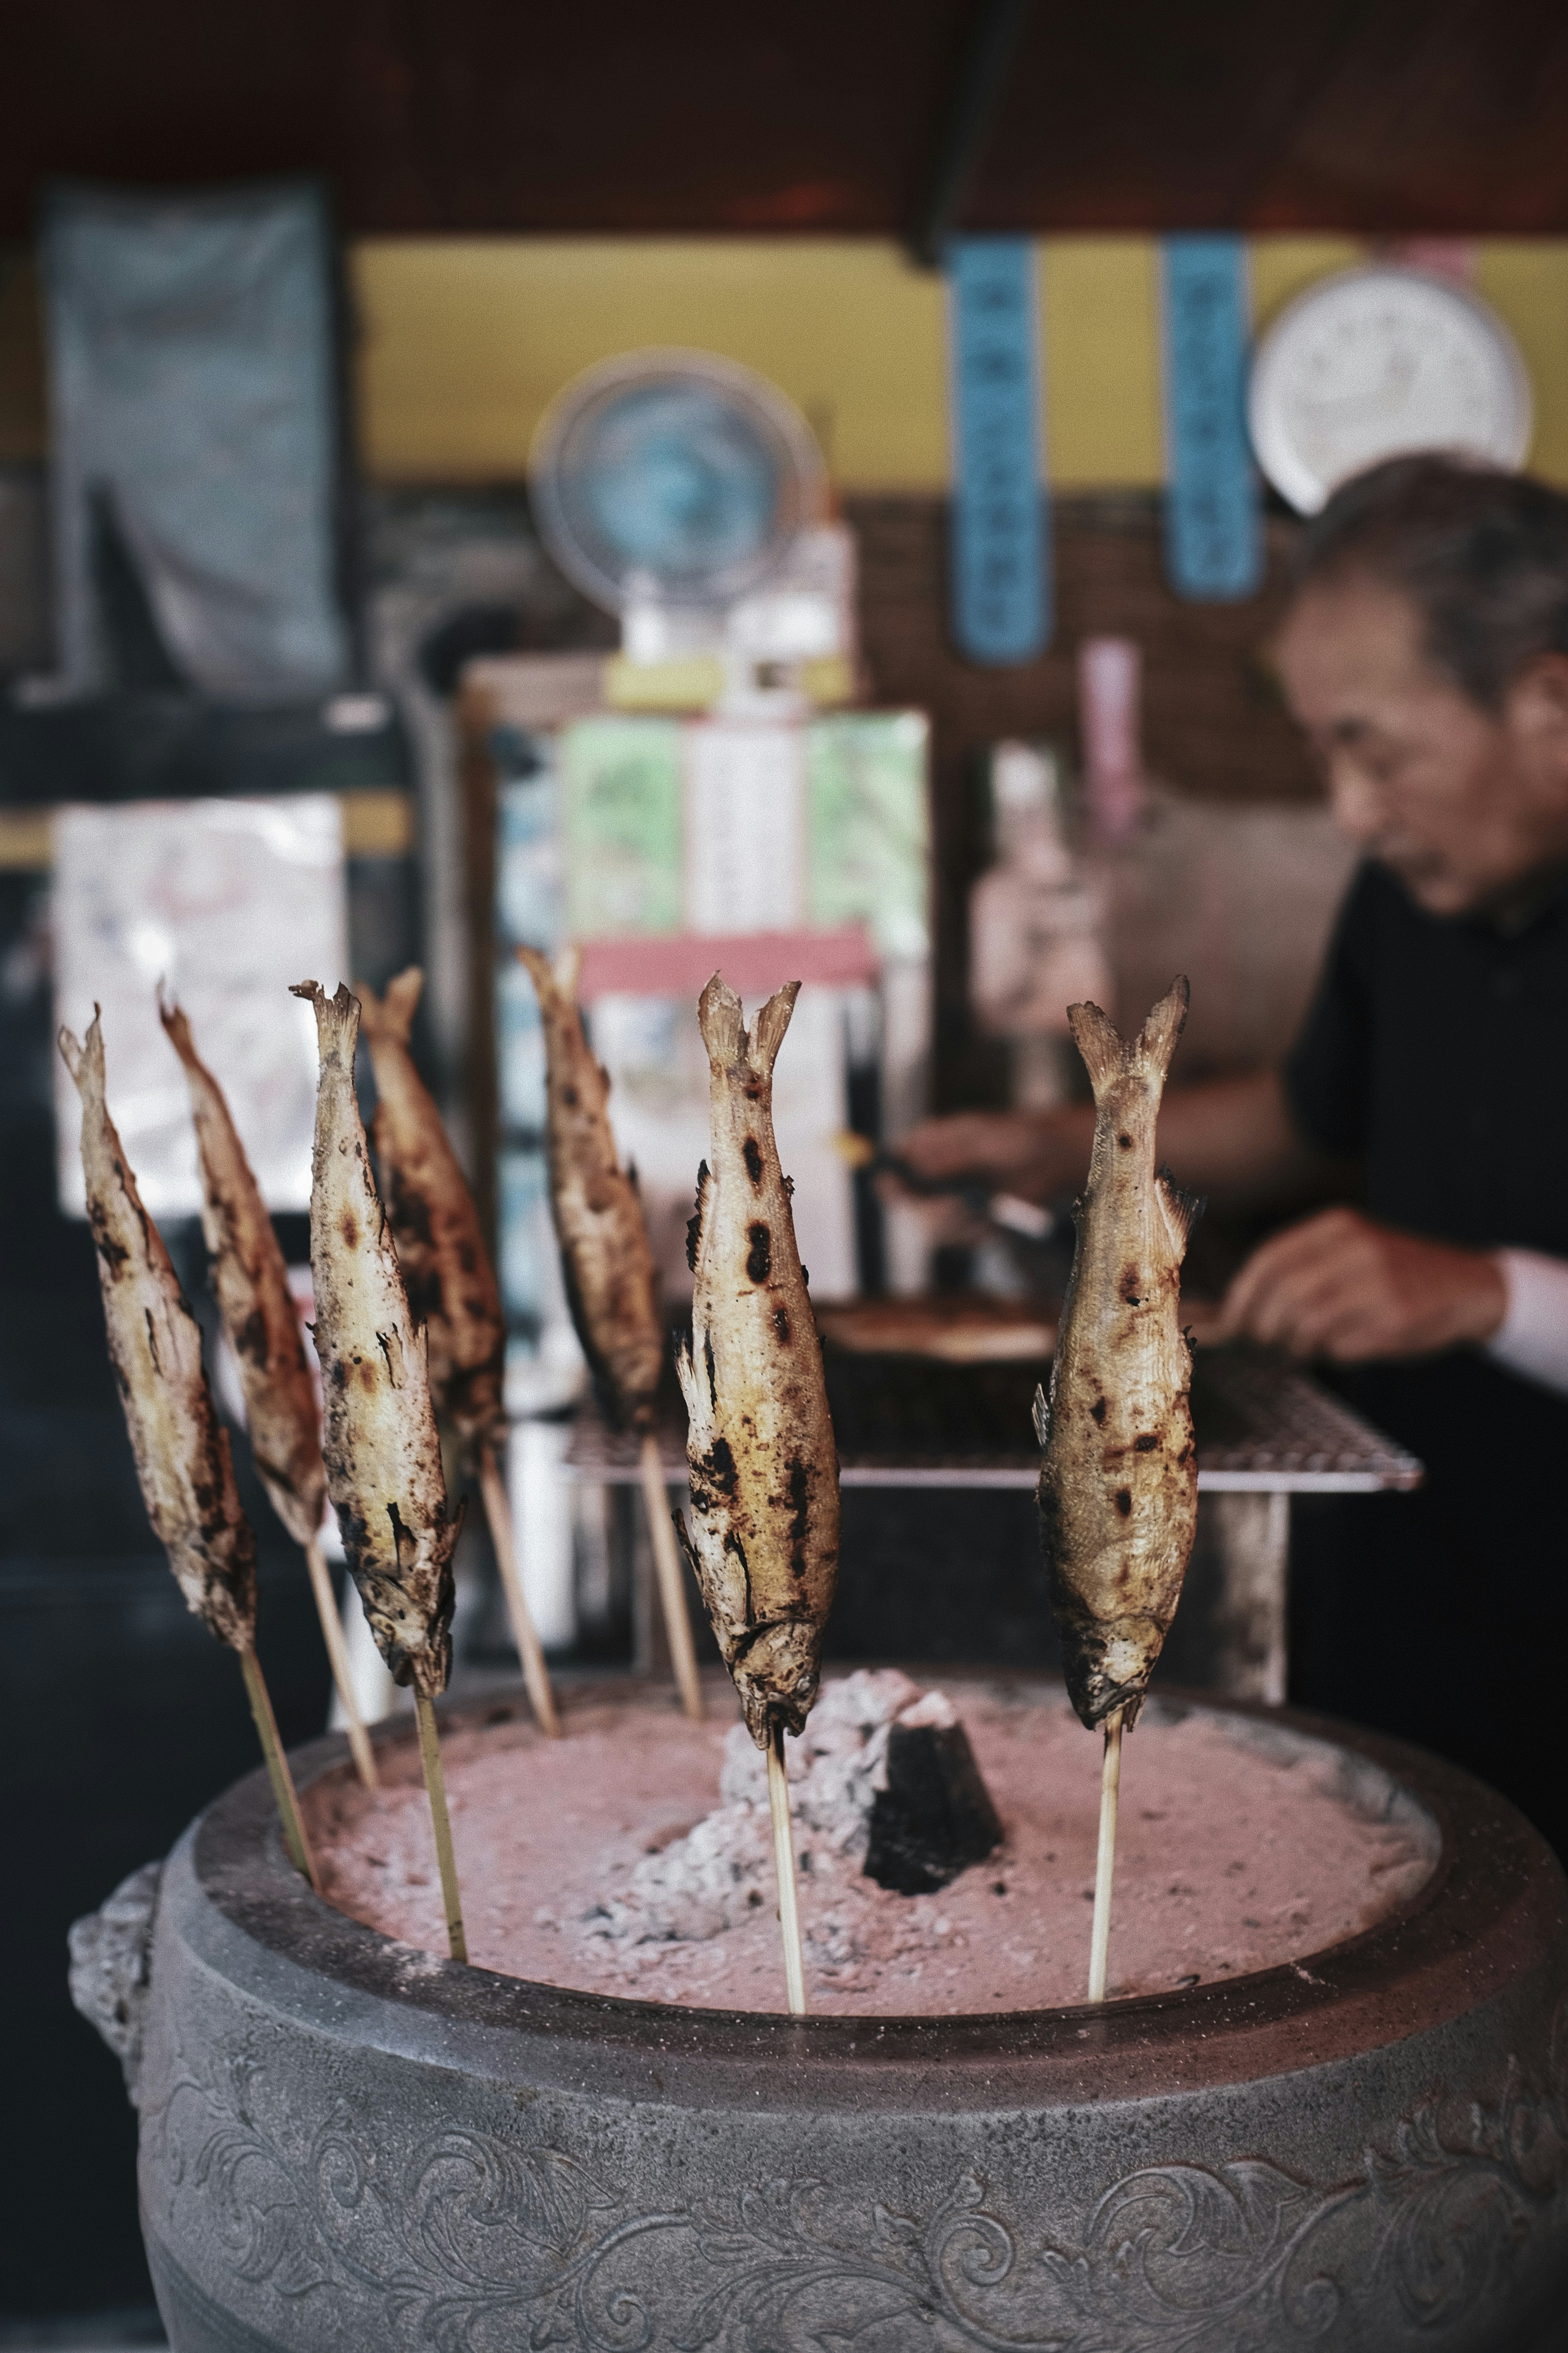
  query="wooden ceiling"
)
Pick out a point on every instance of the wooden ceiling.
point(692, 116)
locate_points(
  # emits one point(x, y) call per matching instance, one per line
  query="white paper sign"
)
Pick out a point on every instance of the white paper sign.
point(227, 902)
point(745, 823)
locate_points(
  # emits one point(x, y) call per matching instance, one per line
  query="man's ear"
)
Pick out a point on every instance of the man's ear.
point(1535, 712)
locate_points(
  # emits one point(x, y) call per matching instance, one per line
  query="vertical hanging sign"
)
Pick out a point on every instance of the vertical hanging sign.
point(1214, 544)
point(999, 547)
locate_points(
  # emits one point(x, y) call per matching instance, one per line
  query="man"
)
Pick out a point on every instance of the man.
point(1424, 654)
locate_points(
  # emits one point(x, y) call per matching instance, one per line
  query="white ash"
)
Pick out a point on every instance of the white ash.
point(721, 1872)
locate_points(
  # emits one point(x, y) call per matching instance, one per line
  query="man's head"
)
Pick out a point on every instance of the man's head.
point(1425, 653)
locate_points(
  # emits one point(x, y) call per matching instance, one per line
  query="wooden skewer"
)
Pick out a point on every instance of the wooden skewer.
point(671, 1584)
point(783, 1864)
point(1105, 1860)
point(338, 1652)
point(440, 1822)
point(503, 1535)
point(278, 1771)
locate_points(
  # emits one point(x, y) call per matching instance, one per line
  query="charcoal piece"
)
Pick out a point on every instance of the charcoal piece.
point(935, 1816)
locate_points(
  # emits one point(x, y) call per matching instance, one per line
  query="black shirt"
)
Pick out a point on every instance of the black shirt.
point(1436, 1053)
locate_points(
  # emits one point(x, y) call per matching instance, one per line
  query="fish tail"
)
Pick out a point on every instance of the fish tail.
point(337, 1020)
point(391, 1017)
point(1156, 1044)
point(1108, 1055)
point(537, 967)
point(772, 1022)
point(721, 1018)
point(84, 1059)
point(178, 1029)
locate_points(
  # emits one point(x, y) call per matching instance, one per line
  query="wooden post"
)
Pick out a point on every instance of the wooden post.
point(338, 1654)
point(440, 1822)
point(672, 1583)
point(1105, 1860)
point(278, 1771)
point(783, 1864)
point(503, 1535)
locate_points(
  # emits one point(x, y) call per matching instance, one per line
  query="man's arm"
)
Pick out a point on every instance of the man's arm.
point(1232, 1139)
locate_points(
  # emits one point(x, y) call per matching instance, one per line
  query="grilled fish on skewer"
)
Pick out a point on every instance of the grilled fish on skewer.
point(446, 1271)
point(611, 1280)
point(763, 1466)
point(451, 1286)
point(155, 1346)
point(1118, 1482)
point(258, 1308)
point(383, 1455)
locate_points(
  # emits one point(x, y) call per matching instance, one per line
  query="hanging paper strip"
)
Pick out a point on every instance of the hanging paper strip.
point(1214, 541)
point(1000, 531)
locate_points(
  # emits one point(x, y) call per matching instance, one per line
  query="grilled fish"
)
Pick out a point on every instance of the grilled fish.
point(612, 1282)
point(258, 1308)
point(383, 1455)
point(1119, 1484)
point(764, 1467)
point(155, 1346)
point(446, 1270)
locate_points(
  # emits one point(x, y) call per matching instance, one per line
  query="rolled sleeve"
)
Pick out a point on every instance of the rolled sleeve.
point(1532, 1338)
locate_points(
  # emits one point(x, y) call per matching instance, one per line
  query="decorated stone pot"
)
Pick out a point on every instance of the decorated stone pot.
point(346, 2144)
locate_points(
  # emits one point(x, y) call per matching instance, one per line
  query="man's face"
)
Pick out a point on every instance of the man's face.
point(1465, 805)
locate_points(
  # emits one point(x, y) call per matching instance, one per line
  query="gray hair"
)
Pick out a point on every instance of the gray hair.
point(1482, 556)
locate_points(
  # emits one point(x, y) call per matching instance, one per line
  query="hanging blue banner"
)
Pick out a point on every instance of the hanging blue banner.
point(1000, 539)
point(1214, 538)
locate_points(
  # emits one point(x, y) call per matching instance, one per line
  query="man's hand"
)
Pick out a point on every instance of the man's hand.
point(1032, 1154)
point(1341, 1286)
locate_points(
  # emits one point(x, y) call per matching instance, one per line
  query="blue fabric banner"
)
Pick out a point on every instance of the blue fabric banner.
point(1000, 537)
point(1214, 539)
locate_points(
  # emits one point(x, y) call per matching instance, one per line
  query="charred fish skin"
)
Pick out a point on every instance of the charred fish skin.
point(383, 1453)
point(1118, 1489)
point(251, 1284)
point(181, 1451)
point(446, 1271)
point(612, 1282)
point(763, 1466)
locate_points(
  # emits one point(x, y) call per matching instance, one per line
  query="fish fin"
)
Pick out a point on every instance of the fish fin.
point(694, 1223)
point(720, 1017)
point(337, 1020)
point(1156, 1044)
point(1103, 1048)
point(1042, 1415)
point(1182, 1210)
point(772, 1022)
point(391, 1015)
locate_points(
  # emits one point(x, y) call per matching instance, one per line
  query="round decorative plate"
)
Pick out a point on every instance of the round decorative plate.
point(672, 474)
point(1378, 363)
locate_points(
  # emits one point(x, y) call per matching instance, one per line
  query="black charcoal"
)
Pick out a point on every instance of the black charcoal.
point(935, 1816)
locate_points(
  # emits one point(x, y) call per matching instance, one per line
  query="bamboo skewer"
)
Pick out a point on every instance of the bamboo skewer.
point(671, 1584)
point(338, 1654)
point(440, 1822)
point(503, 1535)
point(278, 1771)
point(1105, 1859)
point(783, 1864)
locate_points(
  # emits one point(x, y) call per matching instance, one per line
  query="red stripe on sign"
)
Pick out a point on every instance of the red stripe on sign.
point(753, 962)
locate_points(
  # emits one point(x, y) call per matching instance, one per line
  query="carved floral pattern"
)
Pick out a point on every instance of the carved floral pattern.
point(474, 2243)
